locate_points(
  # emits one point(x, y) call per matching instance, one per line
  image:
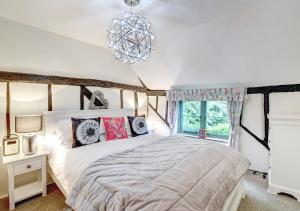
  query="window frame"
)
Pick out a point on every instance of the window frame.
point(203, 121)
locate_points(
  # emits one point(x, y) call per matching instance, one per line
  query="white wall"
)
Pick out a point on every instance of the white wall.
point(280, 103)
point(28, 49)
point(253, 119)
point(33, 99)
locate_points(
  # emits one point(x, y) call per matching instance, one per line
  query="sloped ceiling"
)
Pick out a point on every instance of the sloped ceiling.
point(199, 42)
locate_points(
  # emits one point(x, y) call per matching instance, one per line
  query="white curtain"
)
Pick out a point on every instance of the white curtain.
point(234, 113)
point(172, 116)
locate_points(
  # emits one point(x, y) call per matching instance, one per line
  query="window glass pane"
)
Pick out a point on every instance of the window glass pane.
point(191, 111)
point(217, 124)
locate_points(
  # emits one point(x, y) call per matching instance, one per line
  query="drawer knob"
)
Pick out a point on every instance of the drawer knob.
point(28, 166)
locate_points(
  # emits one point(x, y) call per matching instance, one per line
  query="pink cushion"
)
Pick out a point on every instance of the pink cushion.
point(114, 128)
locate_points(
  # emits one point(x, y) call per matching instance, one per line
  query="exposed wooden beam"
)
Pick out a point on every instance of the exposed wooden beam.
point(273, 89)
point(136, 103)
point(156, 103)
point(88, 94)
point(158, 114)
point(143, 84)
point(266, 91)
point(167, 110)
point(49, 97)
point(47, 79)
point(266, 119)
point(255, 137)
point(121, 99)
point(156, 92)
point(7, 115)
point(81, 98)
point(147, 106)
point(150, 92)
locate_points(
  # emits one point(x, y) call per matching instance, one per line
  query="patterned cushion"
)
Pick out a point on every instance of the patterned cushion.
point(85, 131)
point(114, 128)
point(138, 125)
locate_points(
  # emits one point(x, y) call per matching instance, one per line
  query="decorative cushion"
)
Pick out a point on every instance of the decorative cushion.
point(85, 131)
point(137, 125)
point(114, 128)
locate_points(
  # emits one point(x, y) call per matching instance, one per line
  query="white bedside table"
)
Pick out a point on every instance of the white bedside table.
point(20, 164)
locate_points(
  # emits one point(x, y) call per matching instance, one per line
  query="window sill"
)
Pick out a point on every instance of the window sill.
point(222, 141)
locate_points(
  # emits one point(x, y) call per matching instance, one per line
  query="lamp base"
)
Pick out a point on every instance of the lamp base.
point(29, 144)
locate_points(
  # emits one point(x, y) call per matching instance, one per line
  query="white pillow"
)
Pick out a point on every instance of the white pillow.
point(63, 130)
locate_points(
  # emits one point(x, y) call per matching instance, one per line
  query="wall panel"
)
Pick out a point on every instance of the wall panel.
point(65, 97)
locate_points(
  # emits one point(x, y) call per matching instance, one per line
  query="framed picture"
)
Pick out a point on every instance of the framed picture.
point(11, 145)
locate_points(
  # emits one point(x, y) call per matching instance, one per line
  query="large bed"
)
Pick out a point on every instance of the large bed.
point(148, 172)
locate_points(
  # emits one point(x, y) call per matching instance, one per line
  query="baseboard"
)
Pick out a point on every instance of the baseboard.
point(4, 196)
point(275, 189)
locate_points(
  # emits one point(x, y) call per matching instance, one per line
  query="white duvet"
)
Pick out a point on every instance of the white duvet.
point(68, 164)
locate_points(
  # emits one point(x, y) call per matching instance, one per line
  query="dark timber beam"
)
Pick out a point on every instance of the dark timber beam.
point(7, 115)
point(256, 138)
point(266, 91)
point(156, 93)
point(49, 97)
point(58, 80)
point(266, 119)
point(143, 84)
point(88, 94)
point(121, 99)
point(274, 89)
point(166, 114)
point(136, 103)
point(150, 92)
point(147, 106)
point(81, 98)
point(158, 114)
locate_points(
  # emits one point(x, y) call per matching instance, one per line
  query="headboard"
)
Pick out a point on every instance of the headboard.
point(52, 117)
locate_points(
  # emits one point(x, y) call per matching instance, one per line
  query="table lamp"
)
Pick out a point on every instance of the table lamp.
point(29, 125)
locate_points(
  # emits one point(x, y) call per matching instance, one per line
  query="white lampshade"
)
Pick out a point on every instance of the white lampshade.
point(28, 123)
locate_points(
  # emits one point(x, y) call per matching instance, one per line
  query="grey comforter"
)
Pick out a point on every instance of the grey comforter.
point(174, 173)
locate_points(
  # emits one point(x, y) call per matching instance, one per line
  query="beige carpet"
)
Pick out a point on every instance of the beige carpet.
point(257, 199)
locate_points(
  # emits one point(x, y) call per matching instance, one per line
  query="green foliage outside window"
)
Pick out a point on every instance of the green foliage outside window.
point(217, 118)
point(191, 120)
point(210, 115)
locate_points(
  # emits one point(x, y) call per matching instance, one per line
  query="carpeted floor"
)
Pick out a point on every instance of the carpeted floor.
point(257, 199)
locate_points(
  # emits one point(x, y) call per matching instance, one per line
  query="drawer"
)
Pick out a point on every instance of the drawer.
point(27, 166)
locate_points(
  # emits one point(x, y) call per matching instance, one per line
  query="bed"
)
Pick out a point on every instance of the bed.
point(141, 173)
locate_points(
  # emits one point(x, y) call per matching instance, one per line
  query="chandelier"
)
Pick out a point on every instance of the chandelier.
point(130, 36)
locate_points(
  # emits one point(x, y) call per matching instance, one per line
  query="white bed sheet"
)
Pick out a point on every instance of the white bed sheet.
point(67, 164)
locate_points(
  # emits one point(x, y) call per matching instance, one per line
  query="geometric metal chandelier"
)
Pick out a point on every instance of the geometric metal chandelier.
point(130, 36)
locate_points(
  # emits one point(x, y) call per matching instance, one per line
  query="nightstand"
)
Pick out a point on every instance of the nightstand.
point(21, 164)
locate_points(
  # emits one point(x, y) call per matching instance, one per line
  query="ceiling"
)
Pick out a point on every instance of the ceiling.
point(199, 42)
point(88, 20)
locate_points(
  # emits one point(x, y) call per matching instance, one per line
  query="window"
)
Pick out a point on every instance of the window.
point(209, 115)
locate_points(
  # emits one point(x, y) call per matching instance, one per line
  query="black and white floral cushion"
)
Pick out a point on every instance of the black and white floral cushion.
point(137, 125)
point(85, 131)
